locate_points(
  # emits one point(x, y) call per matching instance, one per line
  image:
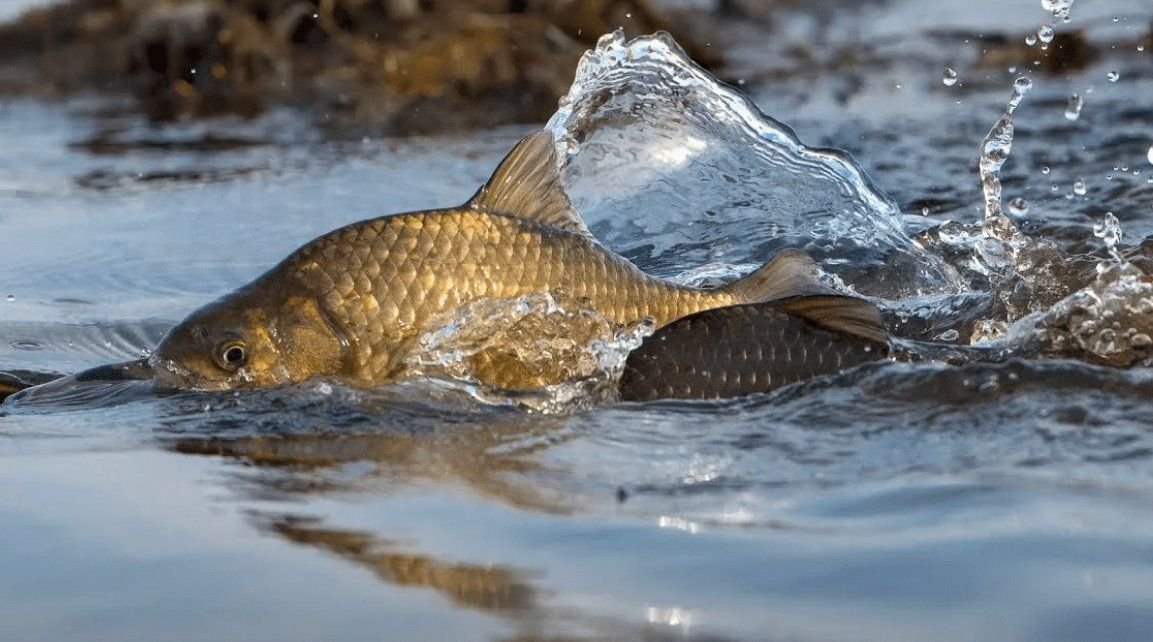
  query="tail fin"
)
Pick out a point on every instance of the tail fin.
point(845, 314)
point(789, 273)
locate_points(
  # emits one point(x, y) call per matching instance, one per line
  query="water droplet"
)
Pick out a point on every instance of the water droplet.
point(1023, 85)
point(1079, 187)
point(1045, 170)
point(12, 297)
point(1073, 109)
point(1031, 39)
point(1018, 206)
point(1113, 76)
point(950, 77)
point(1045, 34)
point(1140, 48)
point(1149, 154)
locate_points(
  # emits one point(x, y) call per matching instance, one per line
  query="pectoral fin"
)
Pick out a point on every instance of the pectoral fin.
point(527, 185)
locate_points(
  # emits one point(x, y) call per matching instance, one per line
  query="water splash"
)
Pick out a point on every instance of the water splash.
point(670, 167)
point(1018, 275)
point(1001, 236)
point(542, 351)
point(1059, 8)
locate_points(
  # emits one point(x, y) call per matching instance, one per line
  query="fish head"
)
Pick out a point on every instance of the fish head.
point(246, 341)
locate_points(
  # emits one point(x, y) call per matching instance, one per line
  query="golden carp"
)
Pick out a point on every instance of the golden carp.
point(352, 303)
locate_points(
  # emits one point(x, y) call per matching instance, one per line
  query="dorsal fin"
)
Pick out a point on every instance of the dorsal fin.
point(527, 186)
point(789, 273)
point(850, 315)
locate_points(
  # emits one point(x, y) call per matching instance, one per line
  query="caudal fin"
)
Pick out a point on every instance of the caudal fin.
point(789, 273)
point(845, 314)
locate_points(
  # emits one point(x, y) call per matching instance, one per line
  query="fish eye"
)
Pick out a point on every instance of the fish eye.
point(232, 355)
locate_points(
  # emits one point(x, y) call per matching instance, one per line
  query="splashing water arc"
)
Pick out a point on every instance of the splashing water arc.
point(657, 148)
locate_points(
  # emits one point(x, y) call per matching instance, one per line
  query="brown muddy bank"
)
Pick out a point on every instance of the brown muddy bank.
point(395, 66)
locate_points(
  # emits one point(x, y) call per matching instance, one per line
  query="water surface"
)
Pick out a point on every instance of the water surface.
point(899, 501)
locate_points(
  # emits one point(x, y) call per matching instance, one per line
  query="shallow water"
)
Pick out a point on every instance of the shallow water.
point(908, 501)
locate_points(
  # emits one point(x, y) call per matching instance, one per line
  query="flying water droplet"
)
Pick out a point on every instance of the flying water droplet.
point(1045, 170)
point(12, 297)
point(1149, 155)
point(1018, 206)
point(1045, 34)
point(1113, 76)
point(950, 77)
point(1031, 39)
point(1073, 109)
point(1079, 187)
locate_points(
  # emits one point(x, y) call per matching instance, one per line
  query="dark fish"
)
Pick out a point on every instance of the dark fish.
point(745, 349)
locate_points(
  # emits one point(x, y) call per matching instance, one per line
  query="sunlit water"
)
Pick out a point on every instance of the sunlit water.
point(1006, 500)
